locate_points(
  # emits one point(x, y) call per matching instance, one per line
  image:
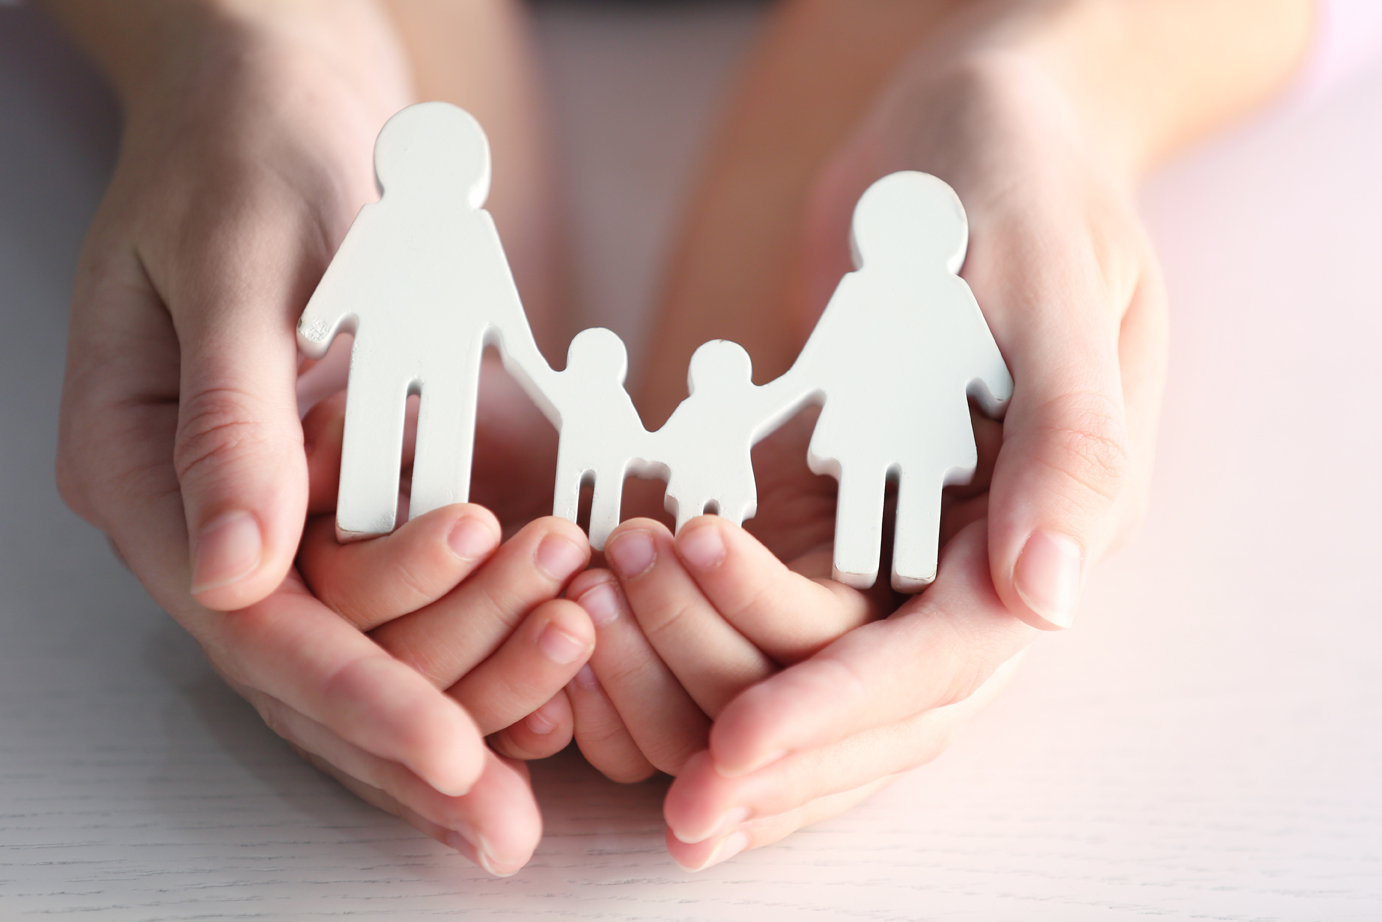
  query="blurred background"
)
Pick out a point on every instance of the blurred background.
point(1205, 744)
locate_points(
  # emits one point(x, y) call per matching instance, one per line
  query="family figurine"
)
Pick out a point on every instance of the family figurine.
point(422, 281)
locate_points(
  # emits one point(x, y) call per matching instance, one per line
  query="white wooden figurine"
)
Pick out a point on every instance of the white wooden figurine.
point(898, 348)
point(602, 435)
point(422, 281)
point(706, 444)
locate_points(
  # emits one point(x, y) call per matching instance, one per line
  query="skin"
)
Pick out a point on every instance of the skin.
point(781, 698)
point(179, 410)
point(1042, 116)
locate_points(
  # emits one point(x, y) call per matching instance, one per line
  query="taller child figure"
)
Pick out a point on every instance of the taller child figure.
point(422, 281)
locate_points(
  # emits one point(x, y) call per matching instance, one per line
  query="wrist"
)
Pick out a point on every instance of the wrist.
point(157, 51)
point(1140, 78)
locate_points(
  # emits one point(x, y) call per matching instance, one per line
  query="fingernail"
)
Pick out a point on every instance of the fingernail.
point(559, 557)
point(727, 821)
point(560, 647)
point(488, 862)
point(585, 678)
point(539, 723)
point(729, 847)
point(228, 550)
point(1047, 576)
point(466, 840)
point(702, 547)
point(470, 539)
point(631, 553)
point(602, 604)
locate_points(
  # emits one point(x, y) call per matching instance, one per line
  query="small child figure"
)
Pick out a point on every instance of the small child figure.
point(708, 440)
point(602, 435)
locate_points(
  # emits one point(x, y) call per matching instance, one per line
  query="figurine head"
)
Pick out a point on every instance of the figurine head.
point(719, 366)
point(909, 217)
point(598, 354)
point(436, 150)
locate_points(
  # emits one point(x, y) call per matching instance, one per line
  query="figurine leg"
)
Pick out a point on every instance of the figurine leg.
point(566, 496)
point(445, 439)
point(371, 453)
point(916, 537)
point(604, 508)
point(859, 525)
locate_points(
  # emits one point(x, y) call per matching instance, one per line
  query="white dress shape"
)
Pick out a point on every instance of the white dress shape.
point(422, 281)
point(898, 348)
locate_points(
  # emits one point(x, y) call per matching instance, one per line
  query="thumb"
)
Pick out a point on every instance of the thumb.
point(239, 448)
point(1064, 464)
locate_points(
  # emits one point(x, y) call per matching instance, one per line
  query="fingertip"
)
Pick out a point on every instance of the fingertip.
point(568, 636)
point(700, 544)
point(454, 760)
point(234, 564)
point(587, 580)
point(474, 533)
point(741, 742)
point(632, 548)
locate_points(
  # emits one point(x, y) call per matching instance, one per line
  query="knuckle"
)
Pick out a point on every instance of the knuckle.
point(218, 427)
point(670, 756)
point(973, 660)
point(1089, 443)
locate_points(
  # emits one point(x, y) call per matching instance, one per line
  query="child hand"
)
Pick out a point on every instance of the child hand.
point(478, 619)
point(712, 627)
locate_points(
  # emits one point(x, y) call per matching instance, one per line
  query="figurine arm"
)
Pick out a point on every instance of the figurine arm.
point(991, 383)
point(511, 332)
point(344, 288)
point(781, 399)
point(785, 396)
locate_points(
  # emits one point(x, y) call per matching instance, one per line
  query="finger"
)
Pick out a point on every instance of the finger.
point(766, 831)
point(535, 663)
point(603, 738)
point(543, 733)
point(712, 660)
point(934, 651)
point(238, 450)
point(784, 614)
point(496, 824)
point(1066, 457)
point(118, 472)
point(703, 804)
point(661, 716)
point(452, 636)
point(1142, 352)
point(293, 648)
point(371, 582)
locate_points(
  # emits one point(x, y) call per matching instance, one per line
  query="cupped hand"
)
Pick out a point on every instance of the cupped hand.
point(1063, 272)
point(476, 621)
point(815, 703)
point(246, 153)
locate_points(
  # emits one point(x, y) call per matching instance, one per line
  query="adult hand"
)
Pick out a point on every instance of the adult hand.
point(1068, 284)
point(247, 151)
point(479, 621)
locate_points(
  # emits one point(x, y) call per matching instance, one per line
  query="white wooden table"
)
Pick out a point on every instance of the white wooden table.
point(1206, 744)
